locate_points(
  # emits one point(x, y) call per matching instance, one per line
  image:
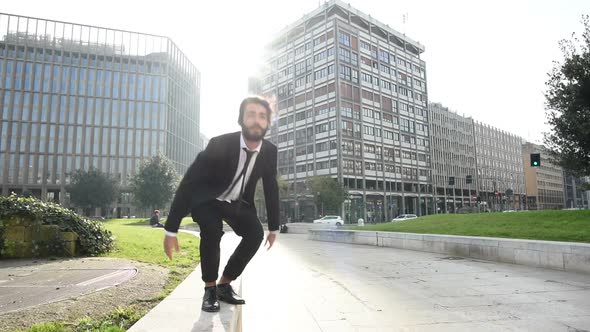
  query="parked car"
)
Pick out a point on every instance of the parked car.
point(402, 217)
point(330, 220)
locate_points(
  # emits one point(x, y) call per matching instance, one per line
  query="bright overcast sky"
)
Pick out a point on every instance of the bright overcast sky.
point(488, 60)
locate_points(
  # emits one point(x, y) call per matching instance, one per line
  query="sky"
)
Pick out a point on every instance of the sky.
point(484, 59)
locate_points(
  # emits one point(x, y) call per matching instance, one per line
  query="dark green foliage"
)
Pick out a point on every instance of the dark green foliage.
point(155, 183)
point(568, 105)
point(327, 192)
point(93, 238)
point(92, 189)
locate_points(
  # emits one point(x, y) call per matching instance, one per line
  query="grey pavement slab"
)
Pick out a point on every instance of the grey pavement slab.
point(181, 310)
point(304, 285)
point(25, 283)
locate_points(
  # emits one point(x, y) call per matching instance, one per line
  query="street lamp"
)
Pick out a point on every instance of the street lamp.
point(321, 202)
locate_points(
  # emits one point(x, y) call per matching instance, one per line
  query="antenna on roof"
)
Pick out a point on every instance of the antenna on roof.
point(404, 20)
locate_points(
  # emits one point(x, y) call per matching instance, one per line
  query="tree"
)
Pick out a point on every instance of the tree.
point(259, 193)
point(328, 193)
point(568, 105)
point(92, 189)
point(155, 183)
point(259, 196)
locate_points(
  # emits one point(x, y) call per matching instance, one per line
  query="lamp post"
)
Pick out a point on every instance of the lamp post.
point(321, 203)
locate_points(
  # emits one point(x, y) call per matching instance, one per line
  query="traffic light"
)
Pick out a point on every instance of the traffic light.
point(469, 179)
point(451, 180)
point(535, 159)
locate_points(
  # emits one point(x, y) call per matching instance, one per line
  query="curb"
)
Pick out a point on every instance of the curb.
point(181, 309)
point(563, 256)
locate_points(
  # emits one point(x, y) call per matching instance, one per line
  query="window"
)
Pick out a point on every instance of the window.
point(388, 134)
point(407, 125)
point(300, 116)
point(346, 110)
point(403, 91)
point(369, 148)
point(347, 128)
point(383, 56)
point(387, 117)
point(344, 38)
point(319, 74)
point(345, 73)
point(300, 50)
point(344, 55)
point(365, 45)
point(370, 166)
point(386, 85)
point(300, 68)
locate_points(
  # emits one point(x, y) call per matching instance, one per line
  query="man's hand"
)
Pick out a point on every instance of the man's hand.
point(170, 242)
point(270, 239)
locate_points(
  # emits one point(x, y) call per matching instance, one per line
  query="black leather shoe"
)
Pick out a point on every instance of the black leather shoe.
point(226, 294)
point(210, 303)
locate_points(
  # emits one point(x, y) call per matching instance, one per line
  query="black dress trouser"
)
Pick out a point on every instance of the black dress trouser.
point(243, 220)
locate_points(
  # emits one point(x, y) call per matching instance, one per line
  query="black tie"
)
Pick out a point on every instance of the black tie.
point(249, 155)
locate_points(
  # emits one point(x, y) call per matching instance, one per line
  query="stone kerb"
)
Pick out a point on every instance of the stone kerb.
point(564, 256)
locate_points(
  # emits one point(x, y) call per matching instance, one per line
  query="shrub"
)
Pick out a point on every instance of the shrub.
point(93, 239)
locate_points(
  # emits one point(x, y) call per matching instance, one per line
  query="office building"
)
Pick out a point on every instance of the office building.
point(75, 96)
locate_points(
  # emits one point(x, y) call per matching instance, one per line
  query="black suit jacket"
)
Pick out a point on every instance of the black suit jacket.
point(212, 173)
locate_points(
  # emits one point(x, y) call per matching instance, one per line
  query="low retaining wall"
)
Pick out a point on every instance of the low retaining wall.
point(303, 228)
point(564, 256)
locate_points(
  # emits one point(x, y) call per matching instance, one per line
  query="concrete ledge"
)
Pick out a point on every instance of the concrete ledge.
point(564, 256)
point(181, 310)
point(304, 227)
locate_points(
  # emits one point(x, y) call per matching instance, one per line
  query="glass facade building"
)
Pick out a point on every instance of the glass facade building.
point(76, 96)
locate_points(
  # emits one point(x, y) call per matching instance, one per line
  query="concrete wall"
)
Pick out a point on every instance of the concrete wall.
point(303, 228)
point(564, 256)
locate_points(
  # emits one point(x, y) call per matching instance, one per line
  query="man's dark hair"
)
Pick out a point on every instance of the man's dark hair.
point(254, 100)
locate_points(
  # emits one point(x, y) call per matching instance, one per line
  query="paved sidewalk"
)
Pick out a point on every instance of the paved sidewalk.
point(181, 310)
point(303, 285)
point(29, 282)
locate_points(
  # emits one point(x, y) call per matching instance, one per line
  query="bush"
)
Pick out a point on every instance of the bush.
point(93, 239)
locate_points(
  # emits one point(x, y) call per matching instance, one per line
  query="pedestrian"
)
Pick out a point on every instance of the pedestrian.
point(155, 219)
point(220, 184)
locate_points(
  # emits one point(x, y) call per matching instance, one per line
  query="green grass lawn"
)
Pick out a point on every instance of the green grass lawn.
point(137, 241)
point(573, 226)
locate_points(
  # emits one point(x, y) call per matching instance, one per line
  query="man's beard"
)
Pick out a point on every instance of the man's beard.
point(252, 136)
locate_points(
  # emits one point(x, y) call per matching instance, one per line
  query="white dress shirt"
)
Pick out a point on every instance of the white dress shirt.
point(234, 194)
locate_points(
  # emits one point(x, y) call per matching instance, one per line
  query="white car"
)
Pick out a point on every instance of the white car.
point(402, 217)
point(330, 220)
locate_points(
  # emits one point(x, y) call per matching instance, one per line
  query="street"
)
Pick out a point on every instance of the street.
point(303, 285)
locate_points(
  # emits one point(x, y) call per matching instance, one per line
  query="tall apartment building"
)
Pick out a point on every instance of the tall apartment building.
point(75, 96)
point(545, 183)
point(500, 173)
point(454, 166)
point(351, 104)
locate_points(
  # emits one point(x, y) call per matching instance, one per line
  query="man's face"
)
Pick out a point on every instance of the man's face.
point(255, 122)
